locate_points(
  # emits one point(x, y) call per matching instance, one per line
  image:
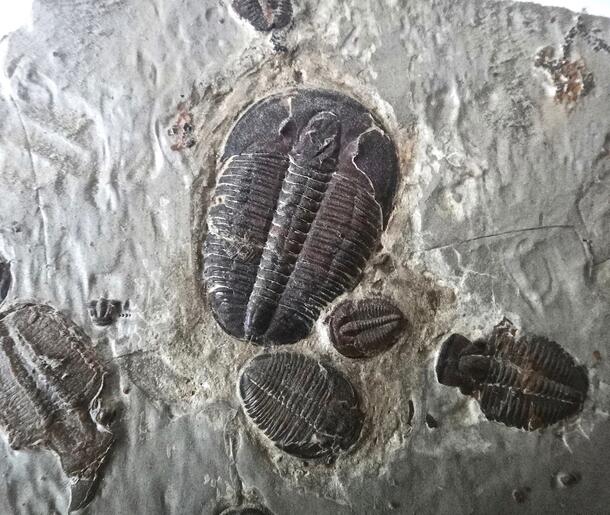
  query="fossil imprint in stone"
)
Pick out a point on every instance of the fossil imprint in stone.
point(6, 279)
point(306, 184)
point(307, 409)
point(365, 328)
point(529, 383)
point(265, 15)
point(50, 382)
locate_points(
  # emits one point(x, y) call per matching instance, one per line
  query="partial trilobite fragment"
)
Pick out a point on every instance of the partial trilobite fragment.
point(529, 383)
point(50, 382)
point(105, 312)
point(306, 182)
point(265, 15)
point(247, 510)
point(365, 328)
point(306, 408)
point(5, 279)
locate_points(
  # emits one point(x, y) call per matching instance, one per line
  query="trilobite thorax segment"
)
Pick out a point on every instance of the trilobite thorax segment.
point(294, 220)
point(265, 15)
point(49, 379)
point(365, 328)
point(527, 383)
point(306, 408)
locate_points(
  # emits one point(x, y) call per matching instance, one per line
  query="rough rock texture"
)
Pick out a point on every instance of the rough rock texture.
point(501, 211)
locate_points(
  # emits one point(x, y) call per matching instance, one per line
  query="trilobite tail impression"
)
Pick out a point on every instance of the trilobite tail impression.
point(306, 408)
point(529, 383)
point(49, 380)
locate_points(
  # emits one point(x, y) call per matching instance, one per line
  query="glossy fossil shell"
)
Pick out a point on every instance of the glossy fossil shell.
point(529, 383)
point(265, 15)
point(306, 408)
point(365, 328)
point(49, 379)
point(306, 181)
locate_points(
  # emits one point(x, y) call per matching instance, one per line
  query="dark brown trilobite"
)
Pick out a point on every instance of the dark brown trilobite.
point(265, 15)
point(306, 408)
point(50, 379)
point(529, 383)
point(5, 279)
point(365, 328)
point(105, 312)
point(307, 179)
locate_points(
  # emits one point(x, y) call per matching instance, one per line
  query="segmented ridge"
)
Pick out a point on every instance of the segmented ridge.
point(265, 15)
point(238, 224)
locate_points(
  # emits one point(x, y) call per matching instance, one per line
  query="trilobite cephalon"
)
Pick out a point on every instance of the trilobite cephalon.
point(304, 407)
point(529, 383)
point(5, 279)
point(49, 380)
point(306, 182)
point(365, 328)
point(265, 15)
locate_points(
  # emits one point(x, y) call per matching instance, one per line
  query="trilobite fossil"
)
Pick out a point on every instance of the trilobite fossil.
point(307, 409)
point(247, 510)
point(6, 279)
point(365, 328)
point(525, 382)
point(306, 182)
point(105, 312)
point(265, 15)
point(50, 380)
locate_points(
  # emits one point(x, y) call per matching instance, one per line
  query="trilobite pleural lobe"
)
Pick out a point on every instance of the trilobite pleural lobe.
point(525, 382)
point(265, 15)
point(365, 328)
point(306, 182)
point(306, 408)
point(49, 379)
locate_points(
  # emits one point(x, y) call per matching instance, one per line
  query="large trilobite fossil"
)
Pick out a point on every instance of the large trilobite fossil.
point(306, 183)
point(50, 381)
point(306, 408)
point(265, 15)
point(525, 382)
point(365, 328)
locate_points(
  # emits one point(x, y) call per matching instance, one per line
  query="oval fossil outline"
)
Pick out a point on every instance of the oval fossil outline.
point(528, 382)
point(367, 327)
point(307, 408)
point(306, 184)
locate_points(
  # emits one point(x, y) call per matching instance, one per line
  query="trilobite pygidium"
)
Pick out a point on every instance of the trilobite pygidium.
point(305, 186)
point(529, 383)
point(50, 379)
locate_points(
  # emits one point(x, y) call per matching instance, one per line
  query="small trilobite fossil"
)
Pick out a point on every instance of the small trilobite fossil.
point(6, 279)
point(529, 383)
point(105, 312)
point(365, 328)
point(306, 408)
point(265, 15)
point(50, 379)
point(306, 182)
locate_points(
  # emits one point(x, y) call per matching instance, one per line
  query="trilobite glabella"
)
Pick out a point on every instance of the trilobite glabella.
point(529, 383)
point(306, 408)
point(49, 380)
point(365, 328)
point(265, 15)
point(306, 182)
